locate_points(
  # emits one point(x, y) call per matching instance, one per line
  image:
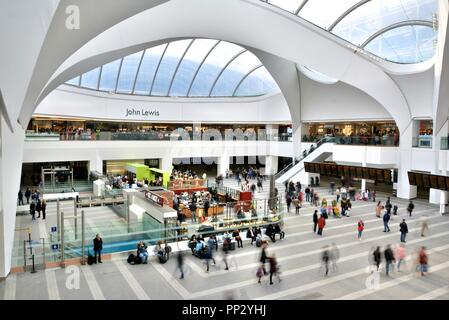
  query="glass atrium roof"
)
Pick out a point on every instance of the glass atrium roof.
point(399, 31)
point(184, 68)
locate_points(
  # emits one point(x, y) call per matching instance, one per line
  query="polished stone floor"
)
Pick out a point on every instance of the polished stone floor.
point(298, 255)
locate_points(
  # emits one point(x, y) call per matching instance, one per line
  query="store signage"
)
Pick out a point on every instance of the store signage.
point(155, 198)
point(131, 112)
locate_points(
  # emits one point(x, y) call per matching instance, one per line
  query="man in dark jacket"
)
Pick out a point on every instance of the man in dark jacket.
point(386, 219)
point(20, 196)
point(33, 211)
point(98, 246)
point(44, 209)
point(28, 195)
point(389, 259)
point(315, 220)
point(377, 257)
point(277, 230)
point(410, 208)
point(270, 232)
point(307, 191)
point(388, 205)
point(38, 208)
point(404, 230)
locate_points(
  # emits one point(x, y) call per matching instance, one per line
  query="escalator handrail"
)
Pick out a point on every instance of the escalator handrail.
point(303, 156)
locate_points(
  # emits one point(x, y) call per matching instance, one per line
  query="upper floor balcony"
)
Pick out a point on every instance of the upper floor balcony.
point(152, 135)
point(375, 140)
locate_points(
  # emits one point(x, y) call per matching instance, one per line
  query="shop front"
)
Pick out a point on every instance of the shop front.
point(372, 133)
point(423, 133)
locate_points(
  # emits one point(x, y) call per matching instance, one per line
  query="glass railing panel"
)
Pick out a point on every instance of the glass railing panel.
point(140, 136)
point(386, 140)
point(121, 236)
point(444, 145)
point(422, 142)
point(18, 254)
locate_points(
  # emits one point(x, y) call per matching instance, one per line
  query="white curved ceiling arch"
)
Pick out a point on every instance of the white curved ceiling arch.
point(361, 21)
point(169, 20)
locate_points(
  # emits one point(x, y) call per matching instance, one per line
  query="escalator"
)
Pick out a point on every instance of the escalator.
point(321, 152)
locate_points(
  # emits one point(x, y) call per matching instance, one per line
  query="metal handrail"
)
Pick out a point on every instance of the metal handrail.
point(223, 189)
point(304, 155)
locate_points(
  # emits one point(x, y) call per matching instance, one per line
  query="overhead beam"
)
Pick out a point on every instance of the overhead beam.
point(395, 26)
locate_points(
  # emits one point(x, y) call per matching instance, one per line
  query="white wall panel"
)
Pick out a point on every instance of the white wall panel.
point(40, 151)
point(321, 102)
point(75, 102)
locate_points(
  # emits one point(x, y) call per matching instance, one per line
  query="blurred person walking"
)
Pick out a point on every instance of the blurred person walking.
point(423, 261)
point(377, 257)
point(259, 273)
point(389, 259)
point(289, 202)
point(400, 255)
point(274, 268)
point(225, 256)
point(264, 257)
point(325, 257)
point(209, 256)
point(334, 256)
point(180, 260)
point(424, 225)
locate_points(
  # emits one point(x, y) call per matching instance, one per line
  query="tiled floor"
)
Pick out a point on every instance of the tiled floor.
point(298, 255)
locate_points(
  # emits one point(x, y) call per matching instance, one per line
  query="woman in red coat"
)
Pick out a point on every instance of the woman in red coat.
point(321, 224)
point(360, 228)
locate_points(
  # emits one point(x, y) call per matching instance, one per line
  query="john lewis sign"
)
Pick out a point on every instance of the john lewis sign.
point(140, 112)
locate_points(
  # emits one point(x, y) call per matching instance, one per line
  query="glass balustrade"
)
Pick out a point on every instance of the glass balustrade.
point(120, 236)
point(444, 145)
point(386, 140)
point(422, 142)
point(139, 136)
